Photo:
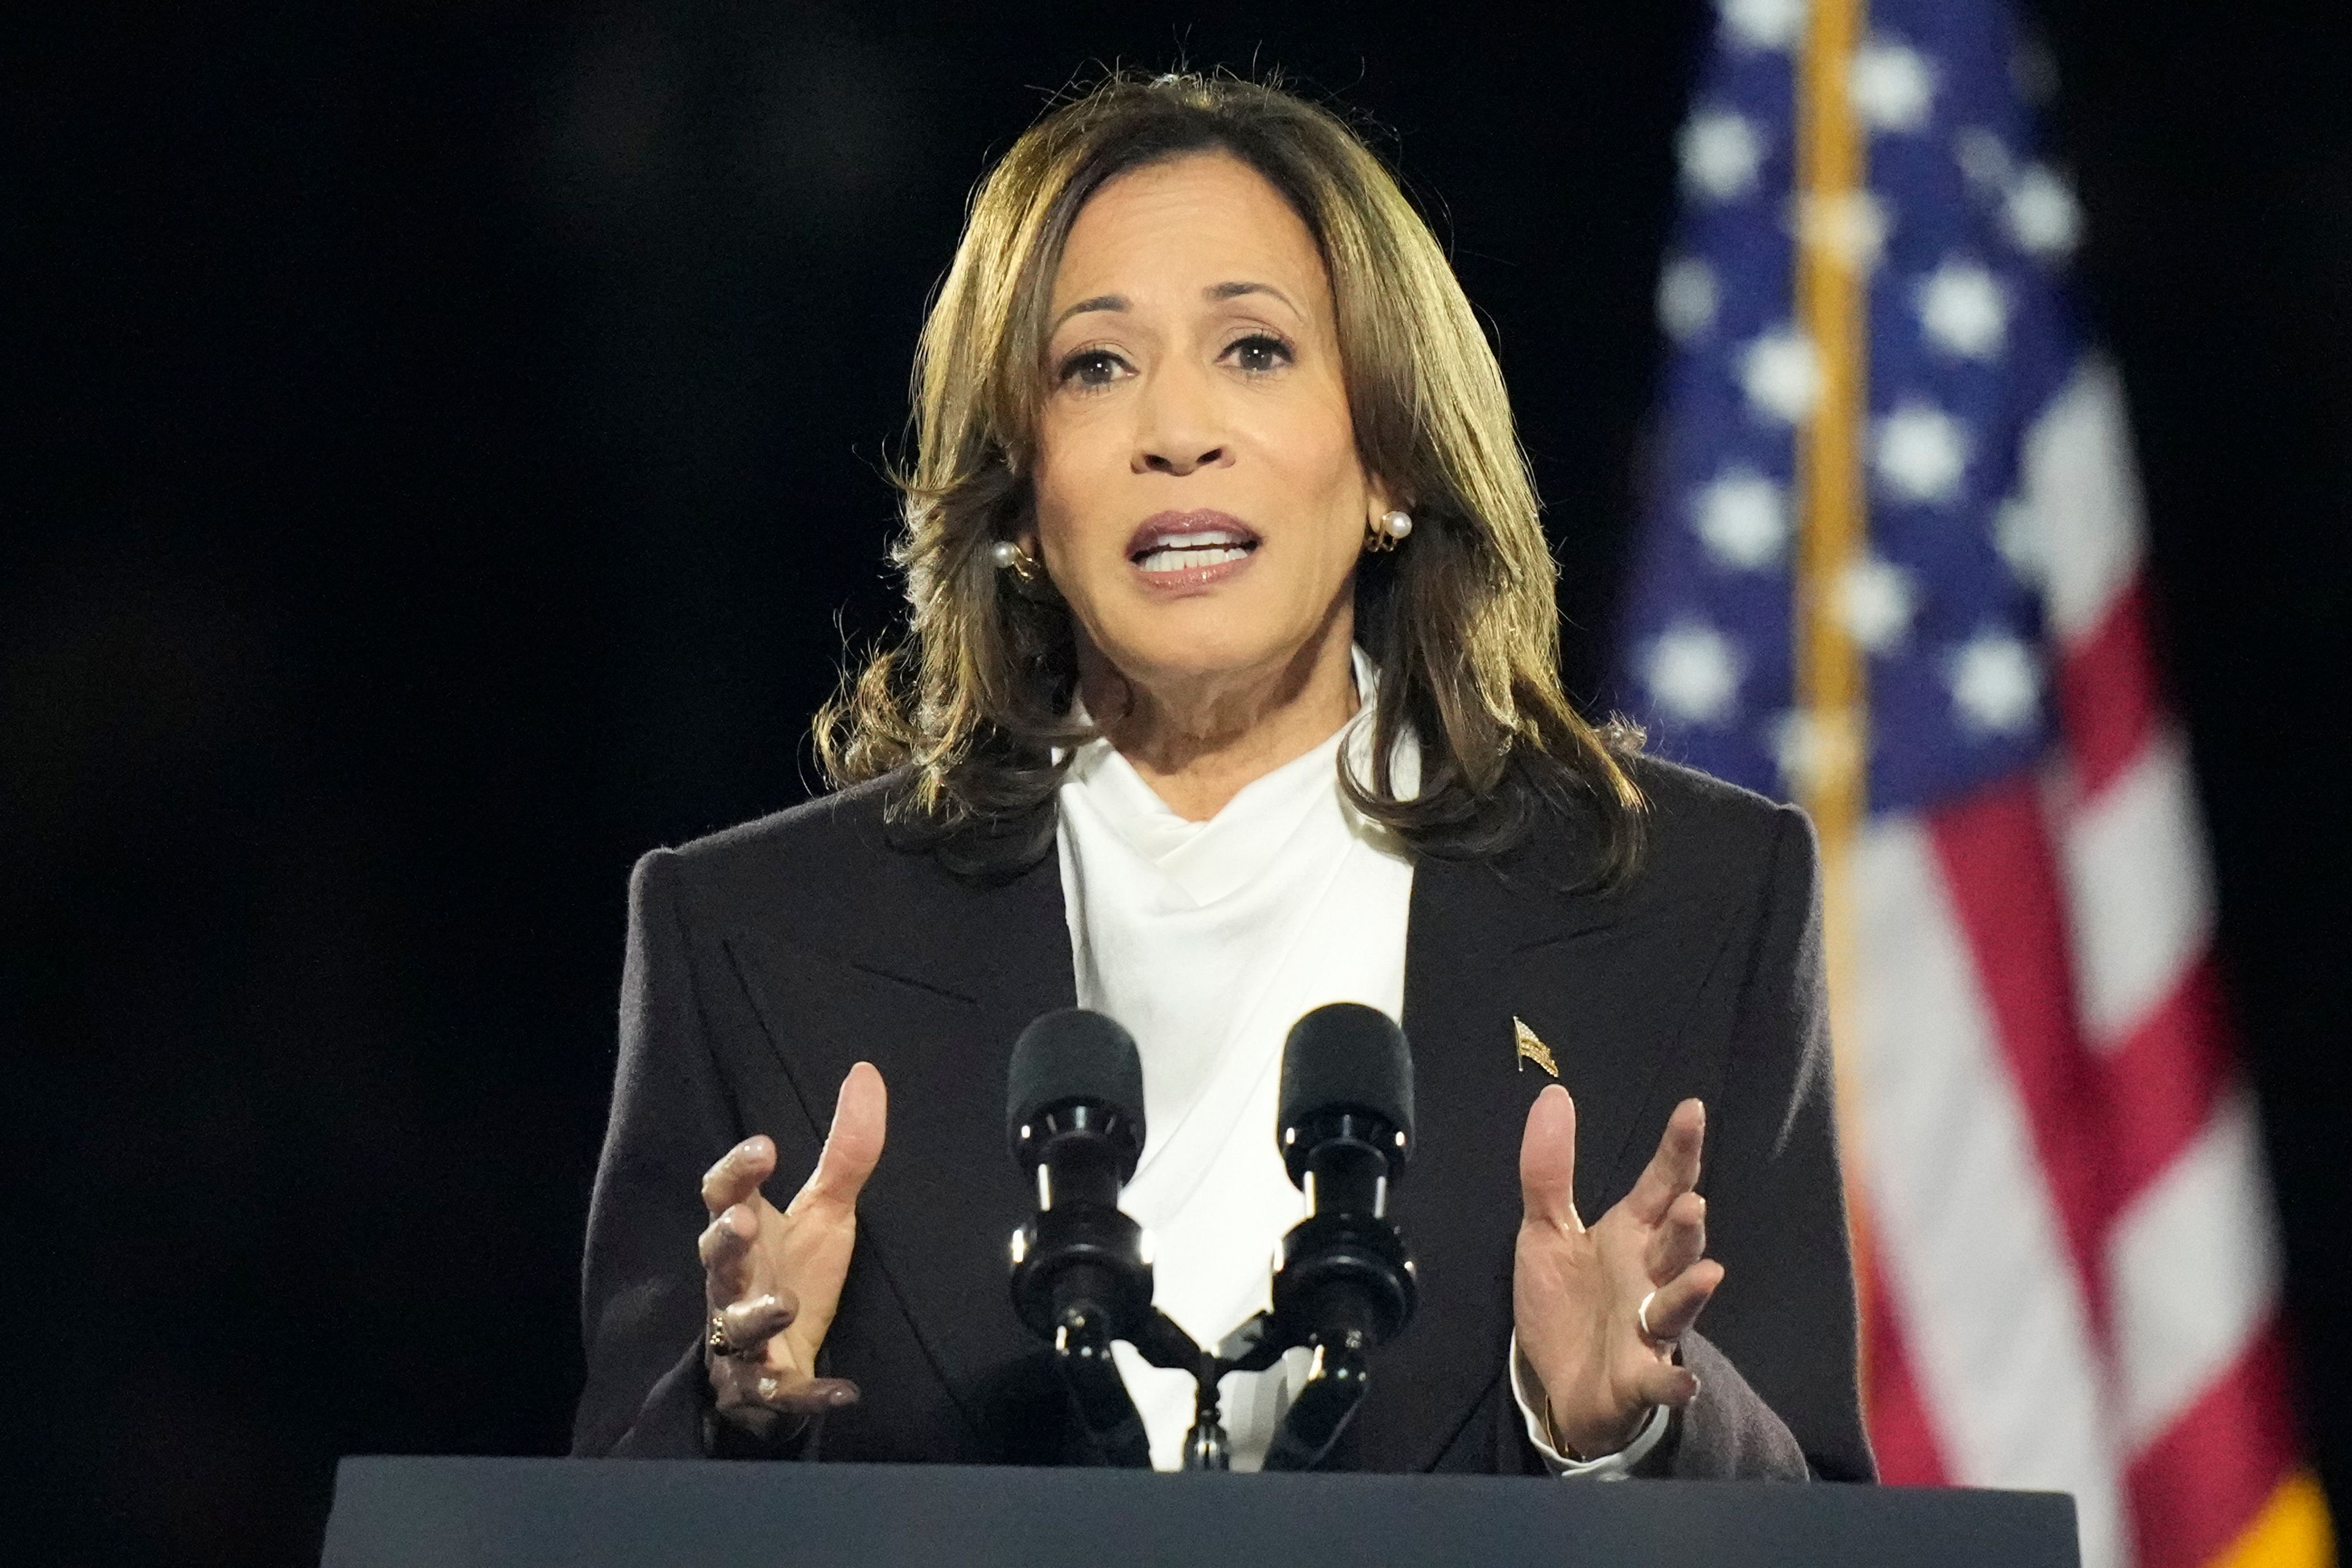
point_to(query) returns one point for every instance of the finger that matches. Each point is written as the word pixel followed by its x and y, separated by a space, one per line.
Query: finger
pixel 738 1173
pixel 1665 1382
pixel 1680 1241
pixel 744 1386
pixel 1675 1305
pixel 809 1397
pixel 748 1325
pixel 1548 1160
pixel 1673 1169
pixel 725 1247
pixel 855 1143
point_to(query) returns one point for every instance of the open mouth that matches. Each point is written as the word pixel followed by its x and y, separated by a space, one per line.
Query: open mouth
pixel 1187 551
pixel 1173 543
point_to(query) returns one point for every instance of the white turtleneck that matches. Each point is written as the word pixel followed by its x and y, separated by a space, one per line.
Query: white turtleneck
pixel 1207 941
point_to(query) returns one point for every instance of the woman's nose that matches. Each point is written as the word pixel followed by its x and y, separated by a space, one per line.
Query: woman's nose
pixel 1176 462
pixel 1179 430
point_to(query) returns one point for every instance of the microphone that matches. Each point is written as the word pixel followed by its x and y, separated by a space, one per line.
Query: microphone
pixel 1074 1115
pixel 1343 1284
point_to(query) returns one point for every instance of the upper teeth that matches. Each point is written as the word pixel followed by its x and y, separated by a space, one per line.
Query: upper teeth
pixel 1182 557
pixel 1195 541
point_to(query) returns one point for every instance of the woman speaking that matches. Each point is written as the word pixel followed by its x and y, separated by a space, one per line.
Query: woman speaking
pixel 1232 691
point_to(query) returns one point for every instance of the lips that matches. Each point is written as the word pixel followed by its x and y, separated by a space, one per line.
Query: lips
pixel 1188 546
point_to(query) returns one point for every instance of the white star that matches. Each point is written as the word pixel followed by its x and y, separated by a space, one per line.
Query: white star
pixel 1996 684
pixel 1920 453
pixel 1813 750
pixel 1687 297
pixel 1851 226
pixel 1743 518
pixel 2042 216
pixel 1720 155
pixel 1763 23
pixel 1891 85
pixel 1874 603
pixel 1781 375
pixel 1693 673
pixel 1962 306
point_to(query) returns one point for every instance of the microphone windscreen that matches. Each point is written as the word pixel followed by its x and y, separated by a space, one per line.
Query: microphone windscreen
pixel 1070 1055
pixel 1347 1056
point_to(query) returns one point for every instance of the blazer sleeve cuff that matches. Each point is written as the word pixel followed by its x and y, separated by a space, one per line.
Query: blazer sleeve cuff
pixel 1616 1466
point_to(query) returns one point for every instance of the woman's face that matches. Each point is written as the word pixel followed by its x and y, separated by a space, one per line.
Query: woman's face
pixel 1199 500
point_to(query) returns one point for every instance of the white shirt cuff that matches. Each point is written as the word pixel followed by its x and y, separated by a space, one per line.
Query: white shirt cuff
pixel 1616 1466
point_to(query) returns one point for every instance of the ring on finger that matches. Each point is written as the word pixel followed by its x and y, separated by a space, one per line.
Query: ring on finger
pixel 721 1344
pixel 1641 1317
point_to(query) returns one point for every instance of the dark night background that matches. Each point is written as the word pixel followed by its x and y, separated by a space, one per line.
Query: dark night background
pixel 444 461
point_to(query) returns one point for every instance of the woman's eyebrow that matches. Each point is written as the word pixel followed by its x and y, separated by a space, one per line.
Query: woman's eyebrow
pixel 1100 302
pixel 1235 290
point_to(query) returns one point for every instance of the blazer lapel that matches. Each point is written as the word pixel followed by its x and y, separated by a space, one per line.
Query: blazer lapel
pixel 932 983
pixel 1490 942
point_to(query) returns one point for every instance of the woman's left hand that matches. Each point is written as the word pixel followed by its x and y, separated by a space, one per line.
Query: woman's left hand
pixel 1577 1291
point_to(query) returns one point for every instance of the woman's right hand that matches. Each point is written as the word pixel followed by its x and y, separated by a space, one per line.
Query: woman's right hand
pixel 773 1279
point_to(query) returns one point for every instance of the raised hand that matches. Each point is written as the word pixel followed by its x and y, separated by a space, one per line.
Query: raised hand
pixel 773 1278
pixel 1599 1307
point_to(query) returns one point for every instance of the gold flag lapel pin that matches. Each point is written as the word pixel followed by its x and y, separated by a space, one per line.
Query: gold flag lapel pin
pixel 1531 1049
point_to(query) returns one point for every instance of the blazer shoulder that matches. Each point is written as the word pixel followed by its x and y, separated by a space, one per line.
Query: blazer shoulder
pixel 1691 811
pixel 1704 835
pixel 830 843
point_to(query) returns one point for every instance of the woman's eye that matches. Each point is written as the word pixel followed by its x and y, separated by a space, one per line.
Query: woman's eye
pixel 1260 353
pixel 1091 367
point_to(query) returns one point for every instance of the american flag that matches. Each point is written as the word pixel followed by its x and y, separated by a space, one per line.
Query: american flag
pixel 1894 571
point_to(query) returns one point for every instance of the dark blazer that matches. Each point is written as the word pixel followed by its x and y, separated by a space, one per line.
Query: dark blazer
pixel 763 962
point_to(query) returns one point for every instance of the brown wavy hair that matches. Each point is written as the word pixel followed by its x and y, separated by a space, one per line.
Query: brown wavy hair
pixel 1460 620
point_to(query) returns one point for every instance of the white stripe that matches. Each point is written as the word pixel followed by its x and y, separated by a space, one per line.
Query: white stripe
pixel 2081 491
pixel 2139 899
pixel 1991 1307
pixel 2193 1266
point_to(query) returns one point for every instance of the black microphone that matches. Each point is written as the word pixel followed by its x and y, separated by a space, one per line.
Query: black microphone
pixel 1343 1284
pixel 1074 1115
pixel 1346 1129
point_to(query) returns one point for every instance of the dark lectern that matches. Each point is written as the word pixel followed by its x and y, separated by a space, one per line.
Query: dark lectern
pixel 618 1514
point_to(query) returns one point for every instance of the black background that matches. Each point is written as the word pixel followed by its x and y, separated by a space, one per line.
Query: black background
pixel 444 461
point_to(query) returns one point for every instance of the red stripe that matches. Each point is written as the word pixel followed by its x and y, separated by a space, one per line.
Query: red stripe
pixel 1996 859
pixel 2163 1083
pixel 1901 1432
pixel 2110 700
pixel 2195 1489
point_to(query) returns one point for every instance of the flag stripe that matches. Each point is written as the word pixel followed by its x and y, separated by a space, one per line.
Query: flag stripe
pixel 2198 1487
pixel 2193 1269
pixel 1902 1431
pixel 1993 853
pixel 2163 1082
pixel 2138 891
pixel 2107 691
pixel 2082 493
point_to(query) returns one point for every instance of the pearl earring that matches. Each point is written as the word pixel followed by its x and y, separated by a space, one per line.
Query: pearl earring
pixel 1009 556
pixel 1391 526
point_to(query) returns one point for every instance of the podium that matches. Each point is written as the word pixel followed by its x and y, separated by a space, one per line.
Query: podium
pixel 645 1513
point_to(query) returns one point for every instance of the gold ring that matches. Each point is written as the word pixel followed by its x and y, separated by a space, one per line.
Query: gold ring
pixel 1641 1315
pixel 719 1345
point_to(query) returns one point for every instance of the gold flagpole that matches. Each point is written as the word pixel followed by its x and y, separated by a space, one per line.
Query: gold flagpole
pixel 1832 742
